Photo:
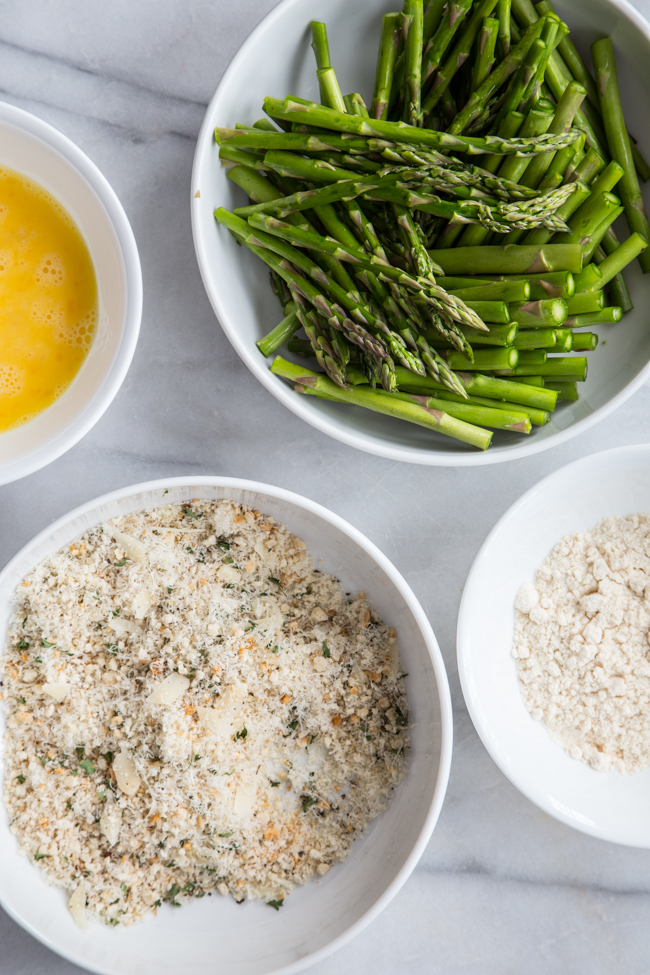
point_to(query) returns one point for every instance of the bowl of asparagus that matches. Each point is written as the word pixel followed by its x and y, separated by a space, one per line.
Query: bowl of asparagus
pixel 441 267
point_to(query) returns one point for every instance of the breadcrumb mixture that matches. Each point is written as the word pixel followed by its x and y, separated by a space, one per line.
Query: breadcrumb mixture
pixel 191 706
pixel 582 644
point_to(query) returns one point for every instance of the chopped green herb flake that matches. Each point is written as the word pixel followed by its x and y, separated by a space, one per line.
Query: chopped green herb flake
pixel 276 905
pixel 326 650
pixel 192 514
pixel 88 767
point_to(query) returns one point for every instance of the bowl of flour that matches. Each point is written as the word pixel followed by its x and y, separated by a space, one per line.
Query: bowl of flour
pixel 553 645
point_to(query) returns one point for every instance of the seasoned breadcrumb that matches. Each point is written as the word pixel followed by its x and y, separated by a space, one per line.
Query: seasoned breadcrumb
pixel 191 706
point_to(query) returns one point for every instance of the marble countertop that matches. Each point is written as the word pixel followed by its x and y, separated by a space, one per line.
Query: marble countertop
pixel 502 888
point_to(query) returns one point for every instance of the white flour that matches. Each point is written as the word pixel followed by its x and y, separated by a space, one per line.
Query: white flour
pixel 581 644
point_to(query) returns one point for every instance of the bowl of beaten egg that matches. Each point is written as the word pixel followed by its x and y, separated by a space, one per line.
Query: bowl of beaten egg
pixel 70 294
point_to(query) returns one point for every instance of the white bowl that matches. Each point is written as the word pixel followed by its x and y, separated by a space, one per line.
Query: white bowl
pixel 217 934
pixel 42 153
pixel 277 60
pixel 605 804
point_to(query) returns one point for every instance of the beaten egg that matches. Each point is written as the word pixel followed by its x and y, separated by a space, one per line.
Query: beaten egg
pixel 48 299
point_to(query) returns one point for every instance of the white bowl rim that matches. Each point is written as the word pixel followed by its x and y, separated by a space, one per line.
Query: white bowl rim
pixel 116 373
pixel 461 640
pixel 421 619
pixel 258 366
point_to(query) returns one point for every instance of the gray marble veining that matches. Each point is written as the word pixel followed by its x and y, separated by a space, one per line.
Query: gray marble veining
pixel 502 889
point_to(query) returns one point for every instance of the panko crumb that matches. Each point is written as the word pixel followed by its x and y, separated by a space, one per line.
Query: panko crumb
pixel 192 706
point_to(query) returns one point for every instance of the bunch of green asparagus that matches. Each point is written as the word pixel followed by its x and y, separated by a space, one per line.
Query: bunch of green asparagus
pixel 432 285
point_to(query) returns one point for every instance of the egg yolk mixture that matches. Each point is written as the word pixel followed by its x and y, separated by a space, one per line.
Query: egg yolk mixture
pixel 48 299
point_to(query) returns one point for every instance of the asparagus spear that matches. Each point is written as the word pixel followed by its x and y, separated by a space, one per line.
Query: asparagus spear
pixel 485 360
pixel 281 333
pixel 503 13
pixel 330 93
pixel 533 314
pixel 472 412
pixel 490 311
pixel 355 104
pixel 587 169
pixel 617 287
pixel 390 405
pixel 455 14
pixel 606 316
pixel 433 14
pixel 590 215
pixel 567 368
pixel 536 338
pixel 412 25
pixel 388 46
pixel 493 291
pixel 585 341
pixel 599 232
pixel 502 335
pixel 537 417
pixel 291 110
pixel 512 259
pixel 587 303
pixel 619 142
pixel 595 277
pixel 485 60
pixel 553 284
pixel 567 391
pixel 489 386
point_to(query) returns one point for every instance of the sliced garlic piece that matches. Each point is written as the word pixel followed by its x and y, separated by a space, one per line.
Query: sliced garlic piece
pixel 142 603
pixel 219 720
pixel 111 822
pixel 228 573
pixel 121 626
pixel 245 798
pixel 57 691
pixel 393 663
pixel 169 690
pixel 77 906
pixel 128 780
pixel 131 546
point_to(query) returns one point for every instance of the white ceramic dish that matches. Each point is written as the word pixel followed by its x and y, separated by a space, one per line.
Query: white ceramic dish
pixel 276 60
pixel 607 805
pixel 216 934
pixel 37 150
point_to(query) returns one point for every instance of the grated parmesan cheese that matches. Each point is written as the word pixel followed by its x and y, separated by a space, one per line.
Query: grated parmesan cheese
pixel 192 706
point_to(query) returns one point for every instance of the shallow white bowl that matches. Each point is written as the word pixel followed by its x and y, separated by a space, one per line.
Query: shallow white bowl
pixel 42 153
pixel 216 934
pixel 605 804
pixel 277 60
